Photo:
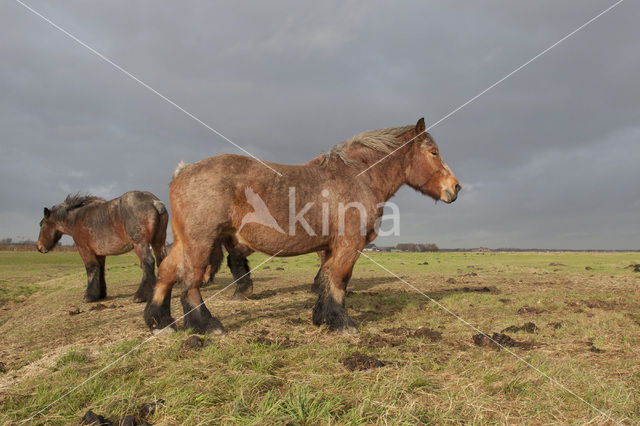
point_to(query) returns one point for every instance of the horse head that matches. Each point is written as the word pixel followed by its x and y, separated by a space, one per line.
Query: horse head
pixel 426 171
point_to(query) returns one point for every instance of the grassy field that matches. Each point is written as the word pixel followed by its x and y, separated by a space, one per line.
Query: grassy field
pixel 273 366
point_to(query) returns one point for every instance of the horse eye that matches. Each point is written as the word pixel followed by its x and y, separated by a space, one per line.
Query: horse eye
pixel 434 152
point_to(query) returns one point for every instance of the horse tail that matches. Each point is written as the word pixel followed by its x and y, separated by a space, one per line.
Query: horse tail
pixel 179 168
pixel 159 206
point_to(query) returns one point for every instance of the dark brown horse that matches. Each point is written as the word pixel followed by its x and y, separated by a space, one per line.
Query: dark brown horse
pixel 136 220
pixel 326 205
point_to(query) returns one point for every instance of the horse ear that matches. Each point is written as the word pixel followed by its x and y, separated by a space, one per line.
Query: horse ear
pixel 420 127
pixel 47 212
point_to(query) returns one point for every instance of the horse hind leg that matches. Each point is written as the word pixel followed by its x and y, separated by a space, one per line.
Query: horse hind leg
pixel 196 314
pixel 159 238
pixel 239 266
pixel 145 289
pixel 157 312
pixel 215 260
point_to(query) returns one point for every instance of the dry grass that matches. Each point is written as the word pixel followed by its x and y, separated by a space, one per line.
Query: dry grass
pixel 273 366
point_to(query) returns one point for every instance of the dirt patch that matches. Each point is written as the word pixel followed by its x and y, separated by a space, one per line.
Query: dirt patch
pixel 529 310
pixel 279 268
pixel 193 343
pixel 498 340
pixel 422 332
pixel 529 327
pixel 602 304
pixel 75 311
pixel 423 263
pixel 593 348
pixel 360 362
pixel 102 307
pixel 477 289
pixel 263 295
pixel 378 341
pixel 634 266
pixel 504 300
pixel 557 264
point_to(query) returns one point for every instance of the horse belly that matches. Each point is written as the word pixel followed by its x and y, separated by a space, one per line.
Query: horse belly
pixel 115 248
pixel 270 242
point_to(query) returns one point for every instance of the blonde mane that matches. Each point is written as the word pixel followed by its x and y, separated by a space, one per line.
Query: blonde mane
pixel 381 140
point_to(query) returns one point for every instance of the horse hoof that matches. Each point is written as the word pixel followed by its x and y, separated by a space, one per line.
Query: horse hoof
pixel 88 299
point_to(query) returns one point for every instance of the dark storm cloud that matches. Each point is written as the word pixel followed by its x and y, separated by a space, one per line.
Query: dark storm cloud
pixel 548 158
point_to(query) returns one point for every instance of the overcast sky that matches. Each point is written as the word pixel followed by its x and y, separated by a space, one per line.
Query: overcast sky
pixel 548 158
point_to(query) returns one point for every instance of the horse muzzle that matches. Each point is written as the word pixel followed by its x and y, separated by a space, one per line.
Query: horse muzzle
pixel 450 195
pixel 41 247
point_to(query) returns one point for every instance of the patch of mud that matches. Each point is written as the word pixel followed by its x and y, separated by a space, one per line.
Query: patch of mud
pixel 498 340
pixel 555 325
pixel 423 263
pixel 529 310
pixel 360 362
pixel 263 295
pixel 378 341
pixel 634 266
pixel 193 343
pixel 529 327
pixel 602 304
pixel 504 300
pixel 588 268
pixel 484 289
pixel 279 268
pixel 102 307
pixel 75 311
pixel 422 333
pixel 557 264
pixel 593 348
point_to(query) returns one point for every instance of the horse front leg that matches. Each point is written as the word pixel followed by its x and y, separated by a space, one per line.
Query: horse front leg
pixel 92 265
pixel 333 279
pixel 103 282
pixel 147 264
pixel 196 314
pixel 317 282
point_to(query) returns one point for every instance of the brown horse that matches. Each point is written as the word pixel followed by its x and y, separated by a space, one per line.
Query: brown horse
pixel 232 197
pixel 101 228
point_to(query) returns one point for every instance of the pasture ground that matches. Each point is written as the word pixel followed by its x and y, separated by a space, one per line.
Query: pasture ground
pixel 274 366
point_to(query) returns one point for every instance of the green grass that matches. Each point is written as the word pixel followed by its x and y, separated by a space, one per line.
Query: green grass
pixel 273 366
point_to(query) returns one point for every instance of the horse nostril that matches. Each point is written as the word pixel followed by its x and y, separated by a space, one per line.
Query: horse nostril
pixel 458 187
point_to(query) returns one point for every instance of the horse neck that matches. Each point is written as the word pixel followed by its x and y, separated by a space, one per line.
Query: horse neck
pixel 388 175
pixel 66 224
